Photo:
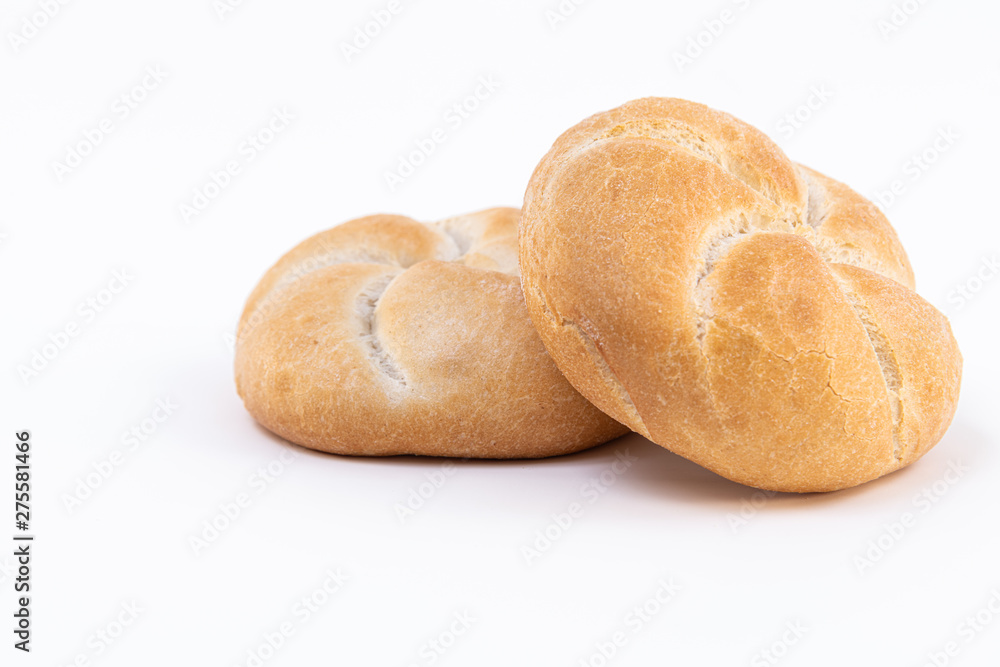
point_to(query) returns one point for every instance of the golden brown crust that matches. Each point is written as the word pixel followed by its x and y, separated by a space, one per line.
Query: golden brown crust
pixel 743 311
pixel 388 336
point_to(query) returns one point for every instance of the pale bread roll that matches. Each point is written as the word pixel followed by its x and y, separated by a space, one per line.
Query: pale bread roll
pixel 743 311
pixel 388 336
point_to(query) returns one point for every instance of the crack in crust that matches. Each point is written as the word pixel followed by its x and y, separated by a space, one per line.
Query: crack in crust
pixel 817 208
pixel 449 231
pixel 817 203
pixel 329 256
pixel 827 226
pixel 611 379
pixel 367 309
pixel 695 143
pixel 458 240
pixel 808 226
pixel 458 237
pixel 670 130
pixel 886 361
pixel 682 136
pixel 738 231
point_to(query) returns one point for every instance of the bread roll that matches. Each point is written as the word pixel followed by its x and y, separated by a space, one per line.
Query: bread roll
pixel 387 336
pixel 745 312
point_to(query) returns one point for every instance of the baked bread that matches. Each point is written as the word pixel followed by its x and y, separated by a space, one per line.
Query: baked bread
pixel 743 311
pixel 388 336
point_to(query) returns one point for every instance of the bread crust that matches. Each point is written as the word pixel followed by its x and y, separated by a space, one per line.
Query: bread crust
pixel 387 336
pixel 741 310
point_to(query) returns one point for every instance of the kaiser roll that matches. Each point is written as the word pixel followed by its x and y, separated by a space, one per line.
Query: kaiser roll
pixel 388 336
pixel 741 310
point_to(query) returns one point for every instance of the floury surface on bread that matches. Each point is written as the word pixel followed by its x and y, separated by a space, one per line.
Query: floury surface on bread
pixel 387 336
pixel 739 309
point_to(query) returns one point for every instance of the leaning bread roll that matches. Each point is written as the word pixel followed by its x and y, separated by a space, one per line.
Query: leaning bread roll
pixel 743 311
pixel 388 336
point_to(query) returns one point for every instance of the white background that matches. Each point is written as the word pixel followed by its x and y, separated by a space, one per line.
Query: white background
pixel 747 565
